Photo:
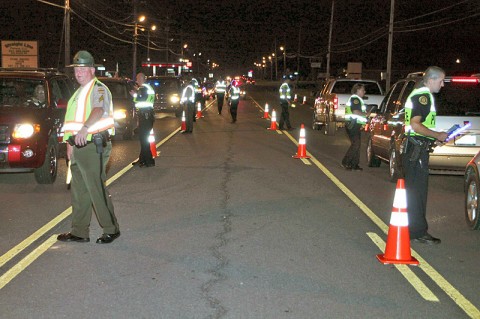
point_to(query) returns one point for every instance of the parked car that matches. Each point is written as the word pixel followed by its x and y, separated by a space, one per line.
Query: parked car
pixel 472 193
pixel 329 106
pixel 168 91
pixel 30 128
pixel 458 102
pixel 123 106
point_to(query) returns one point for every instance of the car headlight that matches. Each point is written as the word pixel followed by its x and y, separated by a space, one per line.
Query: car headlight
pixel 25 130
pixel 174 99
pixel 120 114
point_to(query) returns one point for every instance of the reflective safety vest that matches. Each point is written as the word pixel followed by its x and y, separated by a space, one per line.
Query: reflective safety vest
pixel 220 87
pixel 188 94
pixel 234 93
pixel 349 115
pixel 284 92
pixel 429 120
pixel 148 103
pixel 79 108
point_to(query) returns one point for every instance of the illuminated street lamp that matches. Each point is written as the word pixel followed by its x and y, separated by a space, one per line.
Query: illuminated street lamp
pixel 135 38
pixel 152 28
pixel 271 67
pixel 284 60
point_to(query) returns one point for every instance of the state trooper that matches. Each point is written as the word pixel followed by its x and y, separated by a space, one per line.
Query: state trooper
pixel 420 126
pixel 355 117
pixel 188 101
pixel 285 101
pixel 233 99
pixel 88 125
pixel 144 99
pixel 220 88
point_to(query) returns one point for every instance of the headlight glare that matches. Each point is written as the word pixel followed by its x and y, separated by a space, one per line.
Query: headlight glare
pixel 174 99
pixel 25 130
pixel 120 114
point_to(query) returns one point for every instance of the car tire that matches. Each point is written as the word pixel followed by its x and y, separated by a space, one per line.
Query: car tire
pixel 372 159
pixel 330 126
pixel 395 170
pixel 128 133
pixel 47 173
pixel 315 125
pixel 472 196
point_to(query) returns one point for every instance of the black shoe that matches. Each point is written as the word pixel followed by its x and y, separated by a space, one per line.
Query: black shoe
pixel 427 239
pixel 107 238
pixel 357 168
pixel 149 164
pixel 280 128
pixel 348 168
pixel 70 237
pixel 138 163
pixel 290 128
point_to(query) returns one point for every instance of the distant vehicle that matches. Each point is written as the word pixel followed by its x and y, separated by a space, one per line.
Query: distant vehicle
pixel 472 193
pixel 250 80
pixel 458 102
pixel 209 90
pixel 168 91
pixel 329 106
pixel 123 106
pixel 30 131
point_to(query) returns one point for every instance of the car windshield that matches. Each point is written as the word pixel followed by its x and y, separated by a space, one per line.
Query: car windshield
pixel 22 92
pixel 117 88
pixel 164 85
pixel 458 98
pixel 345 87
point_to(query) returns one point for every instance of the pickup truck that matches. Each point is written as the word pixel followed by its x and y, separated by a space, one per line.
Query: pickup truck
pixel 458 102
pixel 329 106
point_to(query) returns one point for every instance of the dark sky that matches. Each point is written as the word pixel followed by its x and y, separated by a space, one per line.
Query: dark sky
pixel 235 34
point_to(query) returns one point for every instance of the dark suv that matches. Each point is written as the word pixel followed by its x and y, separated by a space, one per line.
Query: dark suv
pixel 168 91
pixel 30 126
pixel 458 102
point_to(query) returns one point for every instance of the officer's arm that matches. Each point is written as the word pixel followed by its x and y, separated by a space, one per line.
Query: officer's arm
pixel 418 127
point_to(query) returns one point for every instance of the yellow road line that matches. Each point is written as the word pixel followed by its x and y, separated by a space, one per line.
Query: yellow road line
pixel 419 286
pixel 25 262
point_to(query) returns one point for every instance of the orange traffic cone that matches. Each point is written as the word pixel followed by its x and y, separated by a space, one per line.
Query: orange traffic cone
pixel 265 113
pixel 295 99
pixel 302 148
pixel 199 110
pixel 304 100
pixel 397 250
pixel 184 122
pixel 273 124
pixel 153 147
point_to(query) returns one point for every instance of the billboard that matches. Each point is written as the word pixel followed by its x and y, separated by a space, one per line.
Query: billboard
pixel 20 54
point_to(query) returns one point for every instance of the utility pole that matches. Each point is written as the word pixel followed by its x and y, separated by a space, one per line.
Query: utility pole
pixel 67 32
pixel 330 40
pixel 167 29
pixel 390 44
pixel 134 62
pixel 276 60
pixel 298 51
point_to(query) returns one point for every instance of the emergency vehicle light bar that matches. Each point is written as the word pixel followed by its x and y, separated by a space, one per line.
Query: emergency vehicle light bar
pixel 465 80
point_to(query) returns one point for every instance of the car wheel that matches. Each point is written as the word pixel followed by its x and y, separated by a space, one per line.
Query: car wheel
pixel 472 189
pixel 315 125
pixel 47 173
pixel 128 133
pixel 372 160
pixel 330 126
pixel 394 166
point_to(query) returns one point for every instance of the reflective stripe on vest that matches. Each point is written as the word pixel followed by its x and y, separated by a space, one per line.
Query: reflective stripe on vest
pixel 79 109
pixel 429 120
pixel 185 95
pixel 148 103
pixel 349 115
pixel 235 93
pixel 284 91
pixel 220 87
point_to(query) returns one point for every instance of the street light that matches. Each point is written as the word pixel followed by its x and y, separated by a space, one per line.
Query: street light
pixel 135 38
pixel 276 66
pixel 284 60
pixel 271 68
pixel 152 28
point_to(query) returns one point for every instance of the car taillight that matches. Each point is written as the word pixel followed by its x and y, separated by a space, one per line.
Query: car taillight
pixel 335 102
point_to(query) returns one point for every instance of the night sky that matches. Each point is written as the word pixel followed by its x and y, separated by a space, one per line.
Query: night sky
pixel 235 34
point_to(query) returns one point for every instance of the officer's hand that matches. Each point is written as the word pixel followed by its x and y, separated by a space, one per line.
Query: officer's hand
pixel 81 137
pixel 442 136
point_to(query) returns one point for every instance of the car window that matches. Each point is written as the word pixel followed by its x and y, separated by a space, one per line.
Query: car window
pixel 18 91
pixel 390 102
pixel 345 87
pixel 406 92
pixel 164 85
pixel 458 98
pixel 60 91
pixel 117 88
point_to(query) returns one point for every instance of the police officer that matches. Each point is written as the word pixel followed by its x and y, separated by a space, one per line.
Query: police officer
pixel 88 124
pixel 285 97
pixel 188 101
pixel 144 99
pixel 355 117
pixel 220 88
pixel 233 99
pixel 420 116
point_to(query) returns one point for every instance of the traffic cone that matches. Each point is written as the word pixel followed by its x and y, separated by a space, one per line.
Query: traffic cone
pixel 273 125
pixel 397 249
pixel 153 147
pixel 295 99
pixel 302 148
pixel 184 122
pixel 304 100
pixel 265 113
pixel 199 110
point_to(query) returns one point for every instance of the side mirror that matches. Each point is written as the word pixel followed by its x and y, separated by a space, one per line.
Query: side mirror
pixel 62 104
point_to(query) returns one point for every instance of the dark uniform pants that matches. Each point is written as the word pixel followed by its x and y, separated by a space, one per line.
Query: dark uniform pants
pixel 284 116
pixel 145 125
pixel 352 157
pixel 189 109
pixel 88 190
pixel 220 98
pixel 416 186
pixel 233 109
